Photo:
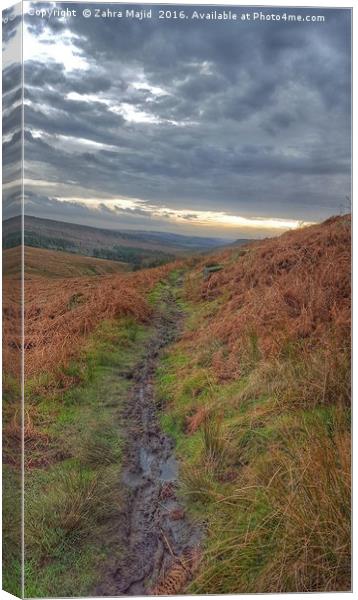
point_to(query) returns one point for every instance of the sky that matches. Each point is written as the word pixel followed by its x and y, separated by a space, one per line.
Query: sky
pixel 204 127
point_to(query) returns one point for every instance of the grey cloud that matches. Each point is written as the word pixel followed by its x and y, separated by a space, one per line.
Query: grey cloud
pixel 40 205
pixel 11 203
pixel 190 217
pixel 264 126
pixel 11 78
pixel 41 75
pixel 11 21
pixel 12 115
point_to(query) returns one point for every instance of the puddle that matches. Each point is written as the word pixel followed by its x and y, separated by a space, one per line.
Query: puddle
pixel 146 460
pixel 169 470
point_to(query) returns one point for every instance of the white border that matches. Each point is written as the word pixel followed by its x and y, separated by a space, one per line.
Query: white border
pixel 263 3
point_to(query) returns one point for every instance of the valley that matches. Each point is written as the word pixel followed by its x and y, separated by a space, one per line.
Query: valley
pixel 188 426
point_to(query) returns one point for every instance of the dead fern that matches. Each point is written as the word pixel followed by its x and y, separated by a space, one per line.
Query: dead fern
pixel 178 575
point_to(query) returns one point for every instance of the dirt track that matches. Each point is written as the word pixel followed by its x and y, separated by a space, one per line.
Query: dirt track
pixel 160 544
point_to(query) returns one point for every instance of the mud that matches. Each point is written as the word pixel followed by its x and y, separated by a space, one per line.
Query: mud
pixel 154 532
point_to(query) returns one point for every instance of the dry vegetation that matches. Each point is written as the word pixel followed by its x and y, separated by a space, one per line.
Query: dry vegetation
pixel 278 292
pixel 60 313
pixel 56 321
pixel 258 400
pixel 51 263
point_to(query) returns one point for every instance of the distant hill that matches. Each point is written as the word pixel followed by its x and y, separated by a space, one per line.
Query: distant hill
pixel 52 264
pixel 138 248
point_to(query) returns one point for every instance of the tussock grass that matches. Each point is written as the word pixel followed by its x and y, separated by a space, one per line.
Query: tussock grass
pixel 312 542
pixel 200 484
pixel 214 439
pixel 101 446
pixel 284 529
pixel 74 502
pixel 11 524
pixel 303 380
pixel 270 476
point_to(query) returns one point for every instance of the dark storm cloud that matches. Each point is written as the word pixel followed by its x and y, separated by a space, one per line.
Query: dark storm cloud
pixel 12 114
pixel 41 202
pixel 11 202
pixel 12 149
pixel 11 78
pixel 38 74
pixel 73 118
pixel 11 19
pixel 253 120
pixel 41 205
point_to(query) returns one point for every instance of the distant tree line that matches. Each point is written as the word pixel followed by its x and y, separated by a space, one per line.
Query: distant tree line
pixel 137 258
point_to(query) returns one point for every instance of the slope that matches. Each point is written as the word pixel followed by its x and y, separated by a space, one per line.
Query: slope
pixel 256 395
pixel 54 264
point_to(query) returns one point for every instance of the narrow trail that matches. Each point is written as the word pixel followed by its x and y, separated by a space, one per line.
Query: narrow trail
pixel 160 544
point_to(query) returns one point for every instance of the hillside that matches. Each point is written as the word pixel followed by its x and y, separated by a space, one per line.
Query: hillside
pixel 55 264
pixel 237 368
pixel 140 249
pixel 257 397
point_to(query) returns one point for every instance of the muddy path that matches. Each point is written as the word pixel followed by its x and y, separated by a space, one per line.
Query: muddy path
pixel 159 543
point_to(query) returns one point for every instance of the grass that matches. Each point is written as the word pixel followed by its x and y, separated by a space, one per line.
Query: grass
pixel 11 520
pixel 250 473
pixel 256 395
pixel 280 528
pixel 75 500
pixel 262 429
pixel 72 494
pixel 101 446
pixel 72 427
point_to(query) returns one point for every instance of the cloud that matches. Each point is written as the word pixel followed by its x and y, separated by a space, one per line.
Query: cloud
pixel 248 119
pixel 11 24
pixel 12 113
pixel 122 213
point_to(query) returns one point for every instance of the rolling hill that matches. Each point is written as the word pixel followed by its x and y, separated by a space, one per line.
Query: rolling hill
pixel 139 249
pixel 53 264
pixel 241 362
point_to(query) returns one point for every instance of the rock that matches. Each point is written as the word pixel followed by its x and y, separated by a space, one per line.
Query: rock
pixel 210 269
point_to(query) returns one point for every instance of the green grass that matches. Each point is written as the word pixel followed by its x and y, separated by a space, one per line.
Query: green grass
pixel 72 495
pixel 74 572
pixel 11 521
pixel 172 286
pixel 155 295
pixel 265 466
pixel 11 485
